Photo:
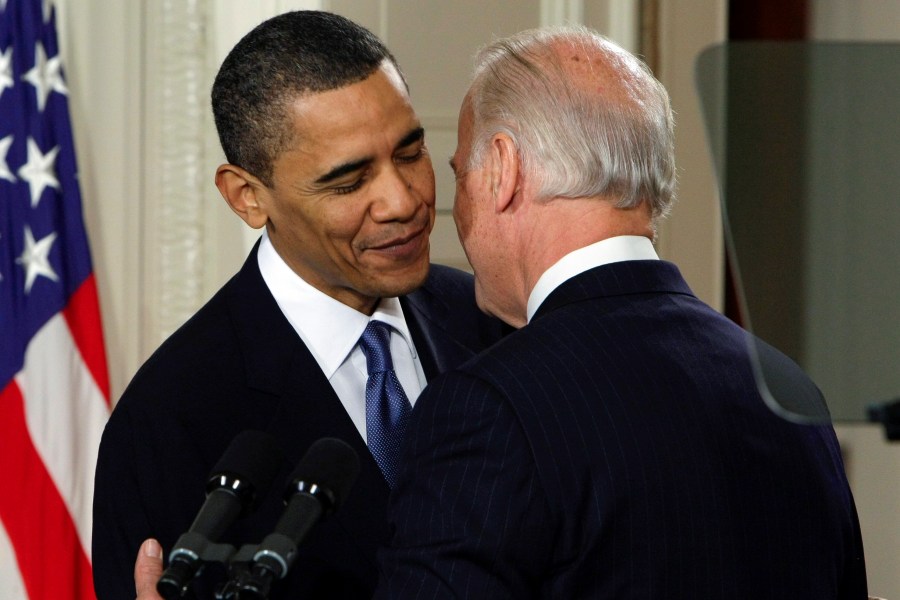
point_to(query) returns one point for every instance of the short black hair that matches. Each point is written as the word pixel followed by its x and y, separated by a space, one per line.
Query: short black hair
pixel 285 57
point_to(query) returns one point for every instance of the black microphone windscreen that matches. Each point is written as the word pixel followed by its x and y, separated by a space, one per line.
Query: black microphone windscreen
pixel 329 463
pixel 236 485
pixel 252 456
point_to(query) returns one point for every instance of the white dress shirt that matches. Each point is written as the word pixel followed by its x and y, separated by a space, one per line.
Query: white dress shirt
pixel 616 249
pixel 331 330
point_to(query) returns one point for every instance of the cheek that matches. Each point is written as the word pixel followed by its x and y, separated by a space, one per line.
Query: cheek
pixel 422 180
pixel 464 209
pixel 332 229
pixel 461 214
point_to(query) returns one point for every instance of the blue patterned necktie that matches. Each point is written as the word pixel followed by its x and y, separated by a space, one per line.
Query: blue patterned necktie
pixel 387 407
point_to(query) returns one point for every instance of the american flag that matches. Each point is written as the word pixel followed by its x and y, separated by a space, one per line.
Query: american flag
pixel 54 391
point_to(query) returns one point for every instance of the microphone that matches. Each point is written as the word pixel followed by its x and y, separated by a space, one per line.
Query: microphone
pixel 320 482
pixel 235 487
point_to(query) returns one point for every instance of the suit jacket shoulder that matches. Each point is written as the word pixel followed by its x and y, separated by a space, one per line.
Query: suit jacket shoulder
pixel 616 447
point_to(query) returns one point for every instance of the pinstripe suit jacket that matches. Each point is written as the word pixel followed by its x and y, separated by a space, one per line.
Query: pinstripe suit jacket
pixel 238 364
pixel 617 447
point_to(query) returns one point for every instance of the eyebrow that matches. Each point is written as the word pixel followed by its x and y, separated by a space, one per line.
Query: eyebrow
pixel 409 139
pixel 416 135
pixel 343 169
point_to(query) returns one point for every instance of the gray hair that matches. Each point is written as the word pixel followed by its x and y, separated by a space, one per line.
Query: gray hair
pixel 573 141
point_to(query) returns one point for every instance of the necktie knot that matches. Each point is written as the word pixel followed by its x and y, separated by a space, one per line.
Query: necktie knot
pixel 376 346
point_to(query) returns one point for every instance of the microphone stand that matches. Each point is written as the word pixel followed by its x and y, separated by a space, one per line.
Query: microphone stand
pixel 176 579
pixel 247 579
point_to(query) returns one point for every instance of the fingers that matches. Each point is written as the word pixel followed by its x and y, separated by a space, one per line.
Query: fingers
pixel 148 569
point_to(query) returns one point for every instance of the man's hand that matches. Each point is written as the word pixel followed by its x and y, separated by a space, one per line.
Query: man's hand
pixel 148 568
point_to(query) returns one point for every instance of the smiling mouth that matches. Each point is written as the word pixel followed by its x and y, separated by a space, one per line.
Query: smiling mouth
pixel 406 247
pixel 399 242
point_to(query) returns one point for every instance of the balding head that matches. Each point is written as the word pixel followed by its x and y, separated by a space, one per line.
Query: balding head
pixel 587 117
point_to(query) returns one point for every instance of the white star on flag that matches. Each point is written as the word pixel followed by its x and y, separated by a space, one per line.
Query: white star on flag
pixel 39 171
pixel 45 76
pixel 36 258
pixel 5 173
pixel 6 68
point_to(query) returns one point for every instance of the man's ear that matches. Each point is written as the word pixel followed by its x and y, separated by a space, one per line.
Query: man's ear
pixel 505 168
pixel 243 192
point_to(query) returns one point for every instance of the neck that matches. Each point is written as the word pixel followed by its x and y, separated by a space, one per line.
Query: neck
pixel 563 225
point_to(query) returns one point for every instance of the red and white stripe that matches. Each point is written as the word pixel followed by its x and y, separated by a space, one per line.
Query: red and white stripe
pixel 51 417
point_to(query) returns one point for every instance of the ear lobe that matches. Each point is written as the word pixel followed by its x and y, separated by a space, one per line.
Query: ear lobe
pixel 504 173
pixel 242 192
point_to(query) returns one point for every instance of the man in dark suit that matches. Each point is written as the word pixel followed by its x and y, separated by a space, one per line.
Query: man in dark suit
pixel 617 444
pixel 326 154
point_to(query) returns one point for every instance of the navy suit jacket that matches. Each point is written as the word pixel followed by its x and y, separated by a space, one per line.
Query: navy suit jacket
pixel 238 364
pixel 617 447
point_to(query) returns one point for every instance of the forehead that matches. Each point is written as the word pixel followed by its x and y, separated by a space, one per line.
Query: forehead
pixel 465 124
pixel 466 112
pixel 359 120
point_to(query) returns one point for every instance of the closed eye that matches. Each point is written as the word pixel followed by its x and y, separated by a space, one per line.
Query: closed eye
pixel 412 147
pixel 411 158
pixel 349 189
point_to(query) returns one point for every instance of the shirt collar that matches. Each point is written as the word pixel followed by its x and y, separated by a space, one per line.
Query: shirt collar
pixel 615 249
pixel 329 328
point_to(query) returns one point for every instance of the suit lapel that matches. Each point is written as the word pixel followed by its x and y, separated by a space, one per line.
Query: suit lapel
pixel 441 341
pixel 279 364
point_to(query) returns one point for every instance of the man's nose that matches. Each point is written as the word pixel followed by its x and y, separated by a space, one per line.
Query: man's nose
pixel 397 199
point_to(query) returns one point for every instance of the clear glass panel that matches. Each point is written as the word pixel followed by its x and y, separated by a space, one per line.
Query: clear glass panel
pixel 806 143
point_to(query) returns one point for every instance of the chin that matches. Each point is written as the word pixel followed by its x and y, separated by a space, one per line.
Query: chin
pixel 400 284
